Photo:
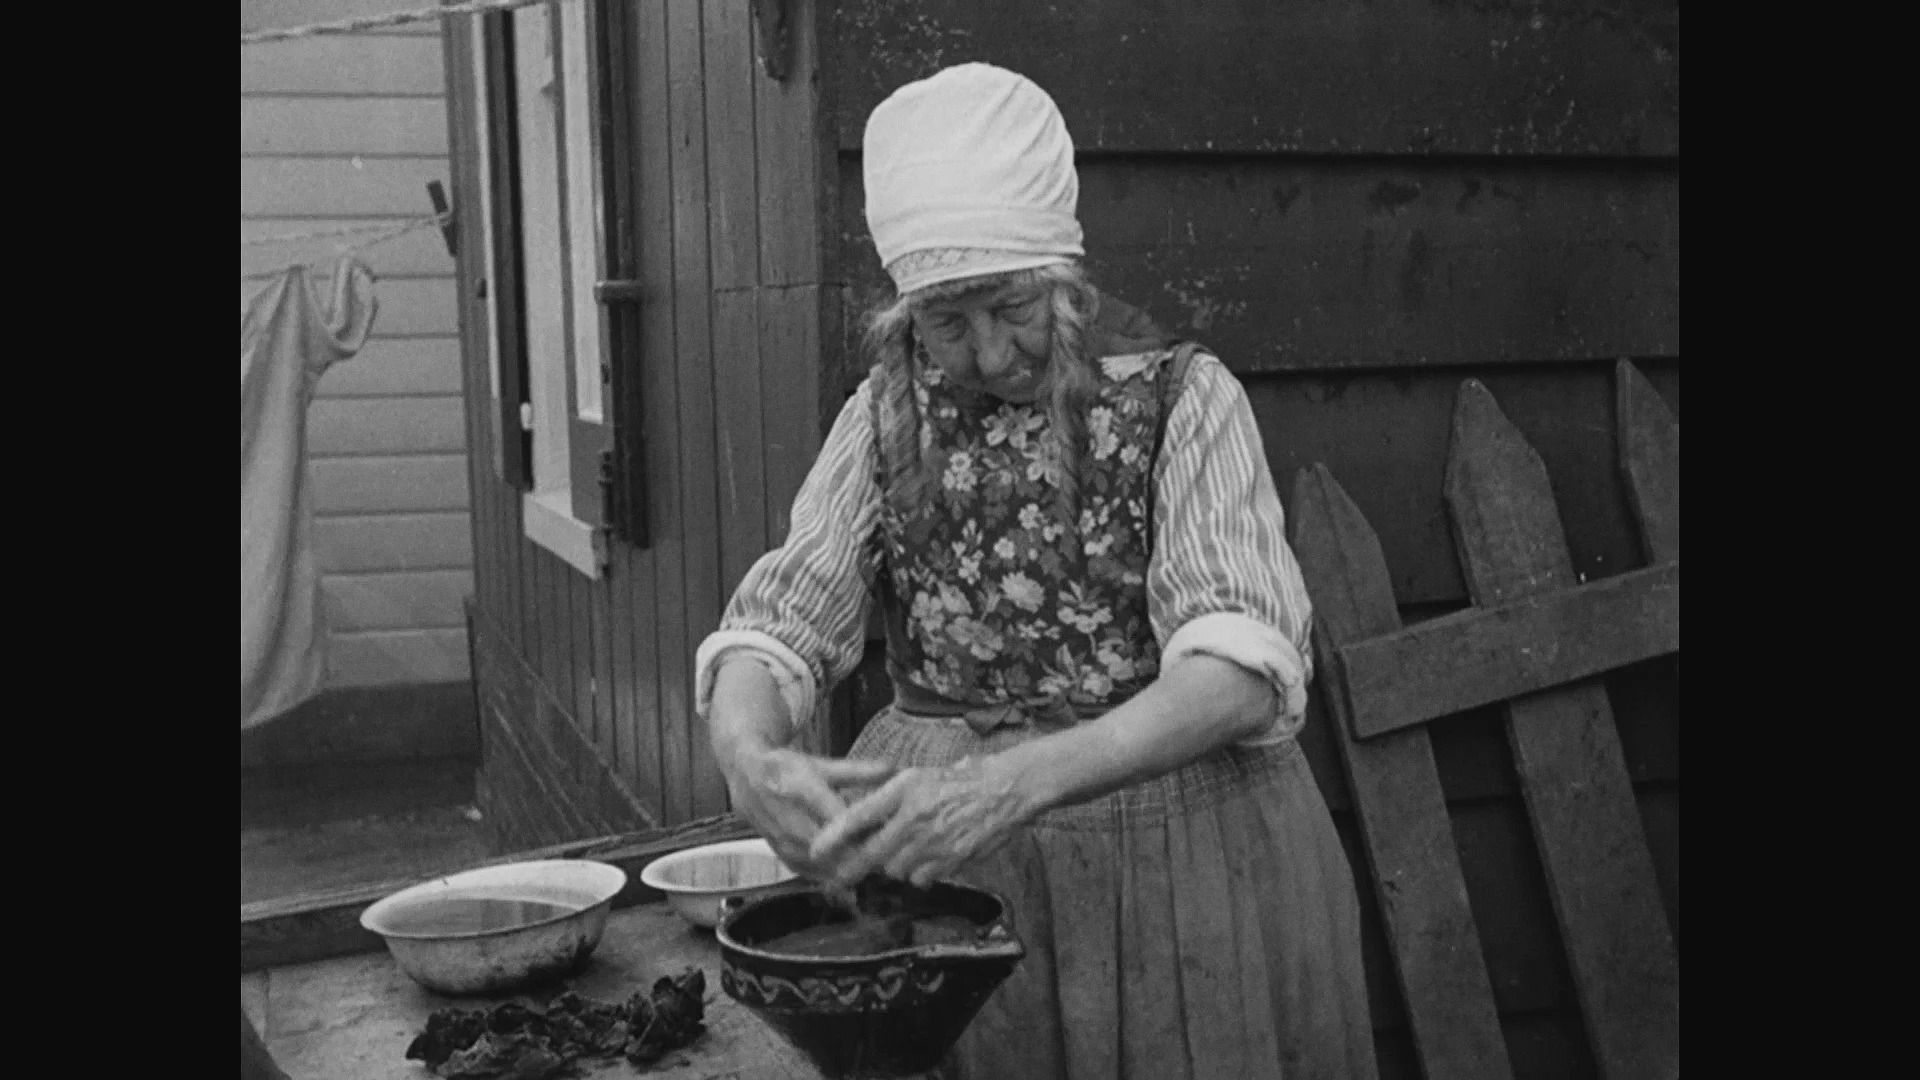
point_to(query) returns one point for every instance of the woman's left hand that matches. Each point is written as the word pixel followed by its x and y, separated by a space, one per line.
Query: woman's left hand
pixel 921 825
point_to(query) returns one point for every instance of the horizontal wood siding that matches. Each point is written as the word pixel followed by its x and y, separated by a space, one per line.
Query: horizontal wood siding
pixel 373 543
pixel 1357 207
pixel 397 599
pixel 359 65
pixel 420 254
pixel 383 426
pixel 343 186
pixel 356 486
pixel 394 657
pixel 338 131
pixel 1281 264
pixel 394 369
pixel 331 126
pixel 1226 76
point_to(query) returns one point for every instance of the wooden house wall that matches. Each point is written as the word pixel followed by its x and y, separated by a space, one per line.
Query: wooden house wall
pixel 346 131
pixel 732 318
pixel 1358 207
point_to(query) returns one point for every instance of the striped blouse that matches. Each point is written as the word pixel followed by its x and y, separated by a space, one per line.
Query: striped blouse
pixel 1222 580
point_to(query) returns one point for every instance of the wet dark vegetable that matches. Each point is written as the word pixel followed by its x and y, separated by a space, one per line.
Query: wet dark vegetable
pixel 518 1040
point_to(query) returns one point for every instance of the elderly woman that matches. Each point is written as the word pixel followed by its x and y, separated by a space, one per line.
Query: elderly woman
pixel 1097 636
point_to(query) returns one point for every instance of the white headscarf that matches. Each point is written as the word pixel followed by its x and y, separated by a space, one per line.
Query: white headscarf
pixel 969 171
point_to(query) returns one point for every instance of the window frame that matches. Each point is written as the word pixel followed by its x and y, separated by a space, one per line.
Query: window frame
pixel 552 373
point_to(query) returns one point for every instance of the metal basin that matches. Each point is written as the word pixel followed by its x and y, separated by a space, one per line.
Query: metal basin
pixel 699 880
pixel 500 927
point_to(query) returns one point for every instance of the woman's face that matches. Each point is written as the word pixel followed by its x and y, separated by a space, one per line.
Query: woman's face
pixel 993 340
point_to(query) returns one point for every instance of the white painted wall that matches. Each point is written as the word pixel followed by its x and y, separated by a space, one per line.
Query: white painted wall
pixel 348 129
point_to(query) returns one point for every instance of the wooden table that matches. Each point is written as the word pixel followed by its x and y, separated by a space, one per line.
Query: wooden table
pixel 351 1018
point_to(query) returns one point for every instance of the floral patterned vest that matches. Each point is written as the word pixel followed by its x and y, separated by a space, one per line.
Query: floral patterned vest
pixel 990 598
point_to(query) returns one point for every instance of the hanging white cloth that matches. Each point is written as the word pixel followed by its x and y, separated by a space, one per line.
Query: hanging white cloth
pixel 289 336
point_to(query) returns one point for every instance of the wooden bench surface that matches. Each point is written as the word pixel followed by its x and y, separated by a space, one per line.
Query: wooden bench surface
pixel 351 1017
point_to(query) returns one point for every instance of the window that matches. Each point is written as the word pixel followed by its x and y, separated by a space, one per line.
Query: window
pixel 538 106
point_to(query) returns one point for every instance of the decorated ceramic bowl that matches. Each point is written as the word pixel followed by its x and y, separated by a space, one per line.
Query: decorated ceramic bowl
pixel 895 1012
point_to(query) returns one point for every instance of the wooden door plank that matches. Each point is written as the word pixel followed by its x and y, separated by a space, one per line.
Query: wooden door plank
pixel 532 606
pixel 580 704
pixel 558 596
pixel 739 425
pixel 733 182
pixel 1649 462
pixel 661 735
pixel 693 359
pixel 1567 754
pixel 541 605
pixel 619 622
pixel 734 230
pixel 1401 808
pixel 1485 655
pixel 653 265
pixel 643 730
pixel 525 626
pixel 605 682
pixel 663 132
pixel 790 362
pixel 794 144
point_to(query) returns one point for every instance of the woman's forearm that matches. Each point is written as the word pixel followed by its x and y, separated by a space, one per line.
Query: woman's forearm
pixel 1198 706
pixel 747 713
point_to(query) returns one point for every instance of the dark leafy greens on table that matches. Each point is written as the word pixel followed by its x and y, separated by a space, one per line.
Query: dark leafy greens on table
pixel 516 1040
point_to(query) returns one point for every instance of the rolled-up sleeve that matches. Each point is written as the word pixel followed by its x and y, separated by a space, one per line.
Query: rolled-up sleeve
pixel 1223 581
pixel 802 609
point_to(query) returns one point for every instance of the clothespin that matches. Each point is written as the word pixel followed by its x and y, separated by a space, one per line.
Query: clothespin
pixel 438 194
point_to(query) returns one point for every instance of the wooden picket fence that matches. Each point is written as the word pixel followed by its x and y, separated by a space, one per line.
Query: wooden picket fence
pixel 1535 641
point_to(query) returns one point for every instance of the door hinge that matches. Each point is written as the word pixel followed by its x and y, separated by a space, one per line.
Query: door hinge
pixel 606 486
pixel 618 291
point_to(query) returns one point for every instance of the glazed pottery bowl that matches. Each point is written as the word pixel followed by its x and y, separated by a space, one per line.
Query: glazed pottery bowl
pixel 500 927
pixel 889 1014
pixel 698 880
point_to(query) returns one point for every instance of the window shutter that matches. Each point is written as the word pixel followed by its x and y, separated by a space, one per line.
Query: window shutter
pixel 499 157
pixel 579 30
pixel 623 464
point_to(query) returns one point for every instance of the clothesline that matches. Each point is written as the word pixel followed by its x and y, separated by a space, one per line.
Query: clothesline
pixel 391 232
pixel 344 230
pixel 376 22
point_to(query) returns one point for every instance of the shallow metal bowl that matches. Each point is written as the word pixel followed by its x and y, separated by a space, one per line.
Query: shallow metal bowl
pixel 495 960
pixel 699 880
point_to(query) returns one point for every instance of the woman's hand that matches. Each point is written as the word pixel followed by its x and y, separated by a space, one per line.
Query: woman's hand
pixel 788 796
pixel 785 794
pixel 922 825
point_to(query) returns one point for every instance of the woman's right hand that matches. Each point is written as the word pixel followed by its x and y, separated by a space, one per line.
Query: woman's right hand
pixel 789 796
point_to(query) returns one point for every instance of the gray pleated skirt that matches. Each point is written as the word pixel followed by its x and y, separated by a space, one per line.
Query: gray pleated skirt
pixel 1198 926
